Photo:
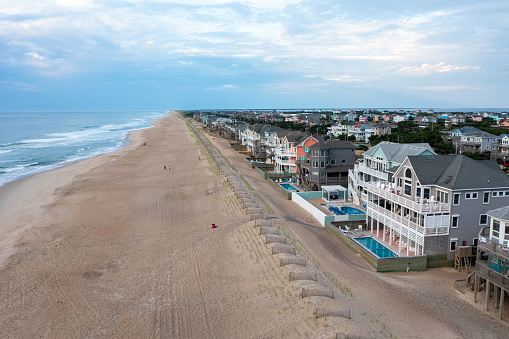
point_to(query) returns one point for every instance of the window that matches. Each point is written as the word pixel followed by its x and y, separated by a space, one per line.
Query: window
pixel 475 241
pixel 454 243
pixel 486 198
pixel 322 164
pixel 443 197
pixel 426 193
pixel 315 164
pixel 306 149
pixel 418 192
pixel 456 199
pixel 483 219
pixel 471 195
pixel 322 153
pixel 496 229
pixel 498 194
pixel 455 221
pixel 343 161
pixel 408 190
pixel 408 173
pixel 314 152
pixel 333 162
pixel 322 175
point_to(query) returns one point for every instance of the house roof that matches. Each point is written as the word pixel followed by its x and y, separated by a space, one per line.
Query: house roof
pixel 395 152
pixel 334 144
pixel 499 213
pixel 458 172
pixel 481 134
pixel 466 129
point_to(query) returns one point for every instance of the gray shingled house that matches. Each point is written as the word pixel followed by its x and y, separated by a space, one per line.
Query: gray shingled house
pixel 327 163
pixel 436 203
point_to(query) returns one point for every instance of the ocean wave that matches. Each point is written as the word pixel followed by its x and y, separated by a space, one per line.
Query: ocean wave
pixel 72 143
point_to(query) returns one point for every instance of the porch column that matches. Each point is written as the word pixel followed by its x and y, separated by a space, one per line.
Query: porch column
pixel 378 228
pixel 371 224
pixel 487 294
pixel 495 295
pixel 384 234
pixel 501 305
pixel 476 287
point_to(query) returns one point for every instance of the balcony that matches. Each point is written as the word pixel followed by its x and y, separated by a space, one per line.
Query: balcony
pixel 286 162
pixel 283 152
pixel 426 231
pixel 419 206
pixel 373 172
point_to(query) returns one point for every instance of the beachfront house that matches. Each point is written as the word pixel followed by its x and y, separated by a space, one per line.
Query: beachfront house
pixel 376 163
pixel 492 262
pixel 290 147
pixel 435 203
pixel 327 163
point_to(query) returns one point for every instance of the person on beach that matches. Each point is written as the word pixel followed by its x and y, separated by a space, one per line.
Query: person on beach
pixel 164 166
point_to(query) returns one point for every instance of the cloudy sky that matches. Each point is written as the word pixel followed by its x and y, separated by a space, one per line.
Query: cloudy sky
pixel 200 54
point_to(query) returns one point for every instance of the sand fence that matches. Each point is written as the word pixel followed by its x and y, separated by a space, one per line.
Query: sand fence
pixel 239 185
pixel 315 292
pixel 302 276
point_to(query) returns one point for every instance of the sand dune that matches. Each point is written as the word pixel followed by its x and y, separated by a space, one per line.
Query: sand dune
pixel 118 246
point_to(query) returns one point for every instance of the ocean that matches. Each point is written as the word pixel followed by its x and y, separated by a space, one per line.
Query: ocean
pixel 40 141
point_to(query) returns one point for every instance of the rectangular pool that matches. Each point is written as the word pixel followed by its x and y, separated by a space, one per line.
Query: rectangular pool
pixel 375 247
pixel 289 187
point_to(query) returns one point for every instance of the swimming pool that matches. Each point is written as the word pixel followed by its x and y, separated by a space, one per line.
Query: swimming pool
pixel 376 247
pixel 351 210
pixel 289 187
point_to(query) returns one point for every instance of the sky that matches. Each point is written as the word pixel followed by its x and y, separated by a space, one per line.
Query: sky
pixel 218 54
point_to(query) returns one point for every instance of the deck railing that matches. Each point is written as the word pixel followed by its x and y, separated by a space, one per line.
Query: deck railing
pixel 418 206
pixel 494 247
pixel 426 231
pixel 373 172
pixel 498 279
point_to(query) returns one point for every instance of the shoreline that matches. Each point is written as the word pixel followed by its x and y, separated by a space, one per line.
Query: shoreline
pixel 120 246
pixel 125 142
pixel 15 195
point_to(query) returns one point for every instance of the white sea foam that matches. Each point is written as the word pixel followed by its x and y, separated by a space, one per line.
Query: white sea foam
pixel 72 143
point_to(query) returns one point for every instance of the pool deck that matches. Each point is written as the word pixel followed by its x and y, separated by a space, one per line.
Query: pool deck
pixel 393 247
pixel 318 204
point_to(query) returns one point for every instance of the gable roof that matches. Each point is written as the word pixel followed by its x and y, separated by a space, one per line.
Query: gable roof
pixel 334 144
pixel 481 134
pixel 395 152
pixel 466 129
pixel 458 172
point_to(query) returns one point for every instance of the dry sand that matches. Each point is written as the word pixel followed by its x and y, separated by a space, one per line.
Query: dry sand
pixel 117 246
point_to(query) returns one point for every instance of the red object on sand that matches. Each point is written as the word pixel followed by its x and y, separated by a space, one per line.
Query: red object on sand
pixel 213 225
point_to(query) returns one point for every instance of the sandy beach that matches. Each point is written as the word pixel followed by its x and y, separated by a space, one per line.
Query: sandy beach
pixel 121 245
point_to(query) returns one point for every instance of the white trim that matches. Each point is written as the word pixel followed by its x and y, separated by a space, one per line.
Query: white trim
pixel 459 199
pixel 489 197
pixel 472 196
pixel 453 240
pixel 480 216
pixel 452 220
